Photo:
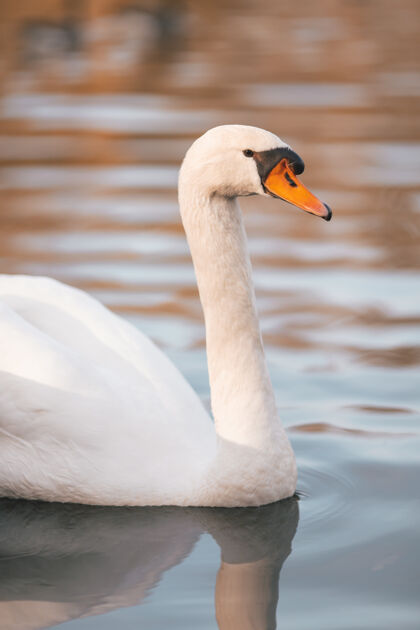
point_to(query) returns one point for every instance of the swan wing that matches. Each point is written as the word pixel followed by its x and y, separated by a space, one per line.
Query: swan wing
pixel 86 396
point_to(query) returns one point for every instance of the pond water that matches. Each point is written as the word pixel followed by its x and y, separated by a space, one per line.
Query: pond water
pixel 99 102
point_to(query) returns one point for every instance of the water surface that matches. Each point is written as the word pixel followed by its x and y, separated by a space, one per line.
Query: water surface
pixel 99 102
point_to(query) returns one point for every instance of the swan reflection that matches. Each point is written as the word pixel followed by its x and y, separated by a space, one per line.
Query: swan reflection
pixel 60 562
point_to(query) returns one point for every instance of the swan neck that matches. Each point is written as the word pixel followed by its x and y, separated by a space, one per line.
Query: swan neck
pixel 242 397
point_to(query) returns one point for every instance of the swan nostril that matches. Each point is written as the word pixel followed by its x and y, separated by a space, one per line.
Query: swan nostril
pixel 290 180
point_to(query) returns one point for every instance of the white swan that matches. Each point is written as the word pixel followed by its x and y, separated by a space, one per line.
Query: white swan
pixel 91 411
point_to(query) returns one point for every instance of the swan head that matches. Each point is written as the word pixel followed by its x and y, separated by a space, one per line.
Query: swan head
pixel 239 160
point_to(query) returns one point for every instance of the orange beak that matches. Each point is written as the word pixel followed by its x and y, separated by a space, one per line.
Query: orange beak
pixel 282 182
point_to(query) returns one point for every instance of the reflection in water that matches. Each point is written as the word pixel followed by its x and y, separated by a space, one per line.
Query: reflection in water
pixel 60 562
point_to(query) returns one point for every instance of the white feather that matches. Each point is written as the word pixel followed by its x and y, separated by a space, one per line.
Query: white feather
pixel 91 411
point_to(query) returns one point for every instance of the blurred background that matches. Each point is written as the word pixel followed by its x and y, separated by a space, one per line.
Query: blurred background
pixel 101 98
pixel 99 101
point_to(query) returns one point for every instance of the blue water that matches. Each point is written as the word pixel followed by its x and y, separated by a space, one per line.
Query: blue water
pixel 92 132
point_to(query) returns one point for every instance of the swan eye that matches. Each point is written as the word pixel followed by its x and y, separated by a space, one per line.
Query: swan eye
pixel 248 153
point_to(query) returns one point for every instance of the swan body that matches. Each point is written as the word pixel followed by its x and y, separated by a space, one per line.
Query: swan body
pixel 91 411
